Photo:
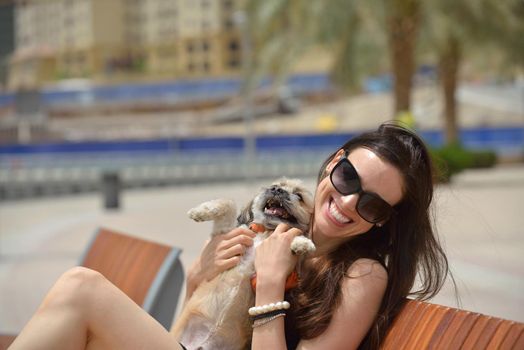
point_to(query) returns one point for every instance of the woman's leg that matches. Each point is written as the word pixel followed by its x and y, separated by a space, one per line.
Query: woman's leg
pixel 84 310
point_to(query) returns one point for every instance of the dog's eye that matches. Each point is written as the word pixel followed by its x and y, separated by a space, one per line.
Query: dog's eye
pixel 299 195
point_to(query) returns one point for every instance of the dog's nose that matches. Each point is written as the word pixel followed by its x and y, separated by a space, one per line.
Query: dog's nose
pixel 276 190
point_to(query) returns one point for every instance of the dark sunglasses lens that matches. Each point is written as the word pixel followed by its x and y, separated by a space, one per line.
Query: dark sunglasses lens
pixel 345 178
pixel 373 209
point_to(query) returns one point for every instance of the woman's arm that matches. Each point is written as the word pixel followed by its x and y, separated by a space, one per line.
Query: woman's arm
pixel 220 253
pixel 273 263
pixel 362 294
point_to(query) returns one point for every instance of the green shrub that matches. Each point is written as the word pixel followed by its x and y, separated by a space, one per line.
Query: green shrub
pixel 454 158
pixel 484 159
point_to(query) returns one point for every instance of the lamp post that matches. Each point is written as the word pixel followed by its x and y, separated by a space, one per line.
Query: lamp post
pixel 241 21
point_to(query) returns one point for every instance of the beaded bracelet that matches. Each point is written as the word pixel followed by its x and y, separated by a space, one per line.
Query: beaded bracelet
pixel 262 309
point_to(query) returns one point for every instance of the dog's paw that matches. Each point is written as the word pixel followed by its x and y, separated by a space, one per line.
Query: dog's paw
pixel 302 245
pixel 212 210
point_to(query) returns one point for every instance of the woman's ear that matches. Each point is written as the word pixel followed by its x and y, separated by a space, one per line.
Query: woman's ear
pixel 338 156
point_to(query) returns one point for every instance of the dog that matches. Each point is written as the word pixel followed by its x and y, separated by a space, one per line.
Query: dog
pixel 216 316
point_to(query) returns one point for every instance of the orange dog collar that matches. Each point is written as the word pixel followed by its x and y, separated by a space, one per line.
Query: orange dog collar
pixel 258 228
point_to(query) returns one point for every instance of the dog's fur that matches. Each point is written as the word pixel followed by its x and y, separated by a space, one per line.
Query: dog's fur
pixel 216 316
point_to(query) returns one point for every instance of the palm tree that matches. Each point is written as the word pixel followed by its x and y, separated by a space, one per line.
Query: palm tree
pixel 358 32
pixel 279 31
pixel 451 27
pixel 403 23
pixel 283 28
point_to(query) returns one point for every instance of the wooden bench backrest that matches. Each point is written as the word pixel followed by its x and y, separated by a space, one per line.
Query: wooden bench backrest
pixel 129 263
pixel 422 325
pixel 149 273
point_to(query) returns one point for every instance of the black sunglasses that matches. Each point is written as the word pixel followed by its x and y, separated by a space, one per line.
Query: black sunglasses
pixel 346 181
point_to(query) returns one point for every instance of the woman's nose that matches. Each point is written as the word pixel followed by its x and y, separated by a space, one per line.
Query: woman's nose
pixel 350 201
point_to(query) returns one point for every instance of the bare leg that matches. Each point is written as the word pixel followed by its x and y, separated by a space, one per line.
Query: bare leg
pixel 83 310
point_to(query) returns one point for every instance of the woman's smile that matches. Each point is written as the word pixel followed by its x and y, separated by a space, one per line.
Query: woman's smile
pixel 336 215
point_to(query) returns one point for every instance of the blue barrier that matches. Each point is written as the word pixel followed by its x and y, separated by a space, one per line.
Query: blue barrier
pixel 188 90
pixel 504 141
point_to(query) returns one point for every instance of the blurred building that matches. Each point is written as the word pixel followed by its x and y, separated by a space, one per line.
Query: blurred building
pixel 65 38
pixel 7 42
pixel 123 39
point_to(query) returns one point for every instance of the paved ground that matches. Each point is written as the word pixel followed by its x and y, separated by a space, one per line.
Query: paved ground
pixel 479 217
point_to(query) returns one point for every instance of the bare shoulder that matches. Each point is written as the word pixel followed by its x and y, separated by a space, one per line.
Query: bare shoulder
pixel 367 268
pixel 366 276
pixel 362 291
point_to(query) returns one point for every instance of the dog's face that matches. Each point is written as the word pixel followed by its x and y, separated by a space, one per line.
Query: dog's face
pixel 285 201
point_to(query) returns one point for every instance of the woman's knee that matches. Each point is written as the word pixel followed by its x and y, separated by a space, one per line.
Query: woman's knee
pixel 76 287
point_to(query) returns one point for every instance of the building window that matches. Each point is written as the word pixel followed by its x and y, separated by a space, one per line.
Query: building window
pixel 233 45
pixel 234 63
pixel 228 4
pixel 228 23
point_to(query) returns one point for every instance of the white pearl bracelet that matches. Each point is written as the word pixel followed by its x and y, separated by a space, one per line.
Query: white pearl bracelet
pixel 262 309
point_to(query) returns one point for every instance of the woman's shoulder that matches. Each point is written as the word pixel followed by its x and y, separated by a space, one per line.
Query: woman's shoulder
pixel 368 269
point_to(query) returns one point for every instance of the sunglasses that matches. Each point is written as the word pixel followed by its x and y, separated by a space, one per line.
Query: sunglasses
pixel 346 181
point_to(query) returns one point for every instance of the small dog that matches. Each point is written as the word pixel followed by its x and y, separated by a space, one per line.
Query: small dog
pixel 216 316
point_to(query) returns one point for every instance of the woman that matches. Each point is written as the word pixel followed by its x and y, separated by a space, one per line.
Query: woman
pixel 373 233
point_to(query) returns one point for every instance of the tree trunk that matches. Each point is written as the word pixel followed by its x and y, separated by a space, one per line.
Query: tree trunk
pixel 449 63
pixel 403 29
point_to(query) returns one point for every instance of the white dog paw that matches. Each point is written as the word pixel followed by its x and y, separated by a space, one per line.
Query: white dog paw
pixel 302 245
pixel 212 210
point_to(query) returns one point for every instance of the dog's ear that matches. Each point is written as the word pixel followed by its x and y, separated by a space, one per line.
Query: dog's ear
pixel 246 215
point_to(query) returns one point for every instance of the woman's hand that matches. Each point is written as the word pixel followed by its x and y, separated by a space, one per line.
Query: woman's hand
pixel 220 253
pixel 274 260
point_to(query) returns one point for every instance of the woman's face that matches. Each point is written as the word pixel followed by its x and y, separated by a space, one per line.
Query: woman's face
pixel 336 217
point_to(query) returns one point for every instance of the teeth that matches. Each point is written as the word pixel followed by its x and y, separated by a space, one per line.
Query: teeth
pixel 338 215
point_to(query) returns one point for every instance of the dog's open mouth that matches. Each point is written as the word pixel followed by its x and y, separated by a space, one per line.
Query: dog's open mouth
pixel 275 208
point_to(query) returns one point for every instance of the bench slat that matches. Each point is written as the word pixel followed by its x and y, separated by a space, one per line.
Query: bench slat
pixel 400 328
pixel 481 333
pixel 442 327
pixel 425 334
pixel 421 325
pixel 519 340
pixel 499 336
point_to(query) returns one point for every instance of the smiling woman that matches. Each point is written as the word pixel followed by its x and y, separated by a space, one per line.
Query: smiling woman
pixel 373 233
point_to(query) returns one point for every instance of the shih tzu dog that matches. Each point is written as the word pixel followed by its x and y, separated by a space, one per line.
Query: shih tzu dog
pixel 216 315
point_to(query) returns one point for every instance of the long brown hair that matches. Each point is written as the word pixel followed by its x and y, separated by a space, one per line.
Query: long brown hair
pixel 405 245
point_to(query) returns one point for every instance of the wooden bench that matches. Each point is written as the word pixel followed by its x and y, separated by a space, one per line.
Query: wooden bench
pixel 149 273
pixel 422 325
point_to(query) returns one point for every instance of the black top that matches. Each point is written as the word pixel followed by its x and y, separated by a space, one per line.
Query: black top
pixel 292 337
